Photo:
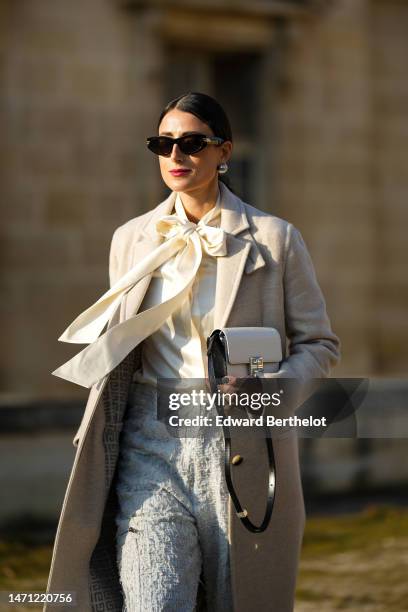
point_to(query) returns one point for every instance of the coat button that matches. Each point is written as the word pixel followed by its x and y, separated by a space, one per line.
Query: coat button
pixel 237 459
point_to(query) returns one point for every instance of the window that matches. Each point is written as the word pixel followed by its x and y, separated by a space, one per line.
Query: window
pixel 232 78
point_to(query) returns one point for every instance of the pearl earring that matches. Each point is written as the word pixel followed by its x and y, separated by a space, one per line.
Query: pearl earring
pixel 223 168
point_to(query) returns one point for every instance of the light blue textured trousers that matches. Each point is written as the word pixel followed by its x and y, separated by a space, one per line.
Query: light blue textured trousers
pixel 172 546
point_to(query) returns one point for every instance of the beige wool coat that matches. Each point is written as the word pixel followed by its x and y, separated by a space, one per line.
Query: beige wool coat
pixel 266 279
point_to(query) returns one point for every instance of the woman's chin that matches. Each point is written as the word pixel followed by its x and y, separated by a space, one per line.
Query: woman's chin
pixel 180 183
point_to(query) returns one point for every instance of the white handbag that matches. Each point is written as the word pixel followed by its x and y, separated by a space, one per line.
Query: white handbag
pixel 243 351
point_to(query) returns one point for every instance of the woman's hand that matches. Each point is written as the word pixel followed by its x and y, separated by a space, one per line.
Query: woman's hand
pixel 233 384
pixel 229 385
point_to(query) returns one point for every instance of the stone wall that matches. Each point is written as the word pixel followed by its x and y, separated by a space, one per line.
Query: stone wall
pixel 341 170
pixel 79 88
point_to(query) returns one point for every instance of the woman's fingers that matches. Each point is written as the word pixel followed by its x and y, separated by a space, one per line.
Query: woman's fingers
pixel 240 385
pixel 229 385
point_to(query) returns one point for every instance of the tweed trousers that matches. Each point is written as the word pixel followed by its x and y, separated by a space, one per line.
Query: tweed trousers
pixel 171 541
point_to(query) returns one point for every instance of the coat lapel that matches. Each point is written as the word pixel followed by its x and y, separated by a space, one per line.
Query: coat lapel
pixel 243 254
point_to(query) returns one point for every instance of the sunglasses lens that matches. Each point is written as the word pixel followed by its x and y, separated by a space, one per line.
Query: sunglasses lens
pixel 160 145
pixel 192 144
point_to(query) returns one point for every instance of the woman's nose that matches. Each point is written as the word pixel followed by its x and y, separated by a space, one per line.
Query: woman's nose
pixel 176 153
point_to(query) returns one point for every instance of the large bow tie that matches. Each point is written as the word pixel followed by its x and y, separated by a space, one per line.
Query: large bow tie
pixel 184 239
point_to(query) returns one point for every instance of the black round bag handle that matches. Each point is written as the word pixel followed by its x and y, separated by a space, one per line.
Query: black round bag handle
pixel 217 369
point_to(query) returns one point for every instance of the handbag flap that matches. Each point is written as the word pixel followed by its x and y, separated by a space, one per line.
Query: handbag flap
pixel 245 342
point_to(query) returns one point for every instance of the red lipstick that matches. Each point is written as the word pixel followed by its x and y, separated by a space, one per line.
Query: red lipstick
pixel 180 171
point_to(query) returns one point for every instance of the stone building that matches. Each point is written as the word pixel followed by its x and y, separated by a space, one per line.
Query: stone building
pixel 317 96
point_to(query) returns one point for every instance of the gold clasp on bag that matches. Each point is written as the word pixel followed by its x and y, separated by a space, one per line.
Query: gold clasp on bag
pixel 256 365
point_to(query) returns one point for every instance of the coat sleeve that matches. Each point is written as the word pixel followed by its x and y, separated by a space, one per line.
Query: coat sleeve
pixel 313 347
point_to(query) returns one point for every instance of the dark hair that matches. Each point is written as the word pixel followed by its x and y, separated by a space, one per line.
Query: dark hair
pixel 209 111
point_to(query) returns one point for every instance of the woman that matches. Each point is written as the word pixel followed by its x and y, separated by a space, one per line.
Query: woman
pixel 147 522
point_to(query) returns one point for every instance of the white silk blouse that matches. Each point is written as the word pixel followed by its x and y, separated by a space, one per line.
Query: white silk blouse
pixel 178 348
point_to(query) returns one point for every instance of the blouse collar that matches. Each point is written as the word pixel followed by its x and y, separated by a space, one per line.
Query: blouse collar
pixel 210 215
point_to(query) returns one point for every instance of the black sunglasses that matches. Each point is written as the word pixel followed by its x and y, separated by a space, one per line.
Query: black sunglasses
pixel 189 144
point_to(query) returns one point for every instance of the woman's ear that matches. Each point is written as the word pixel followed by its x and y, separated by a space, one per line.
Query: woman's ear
pixel 226 151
